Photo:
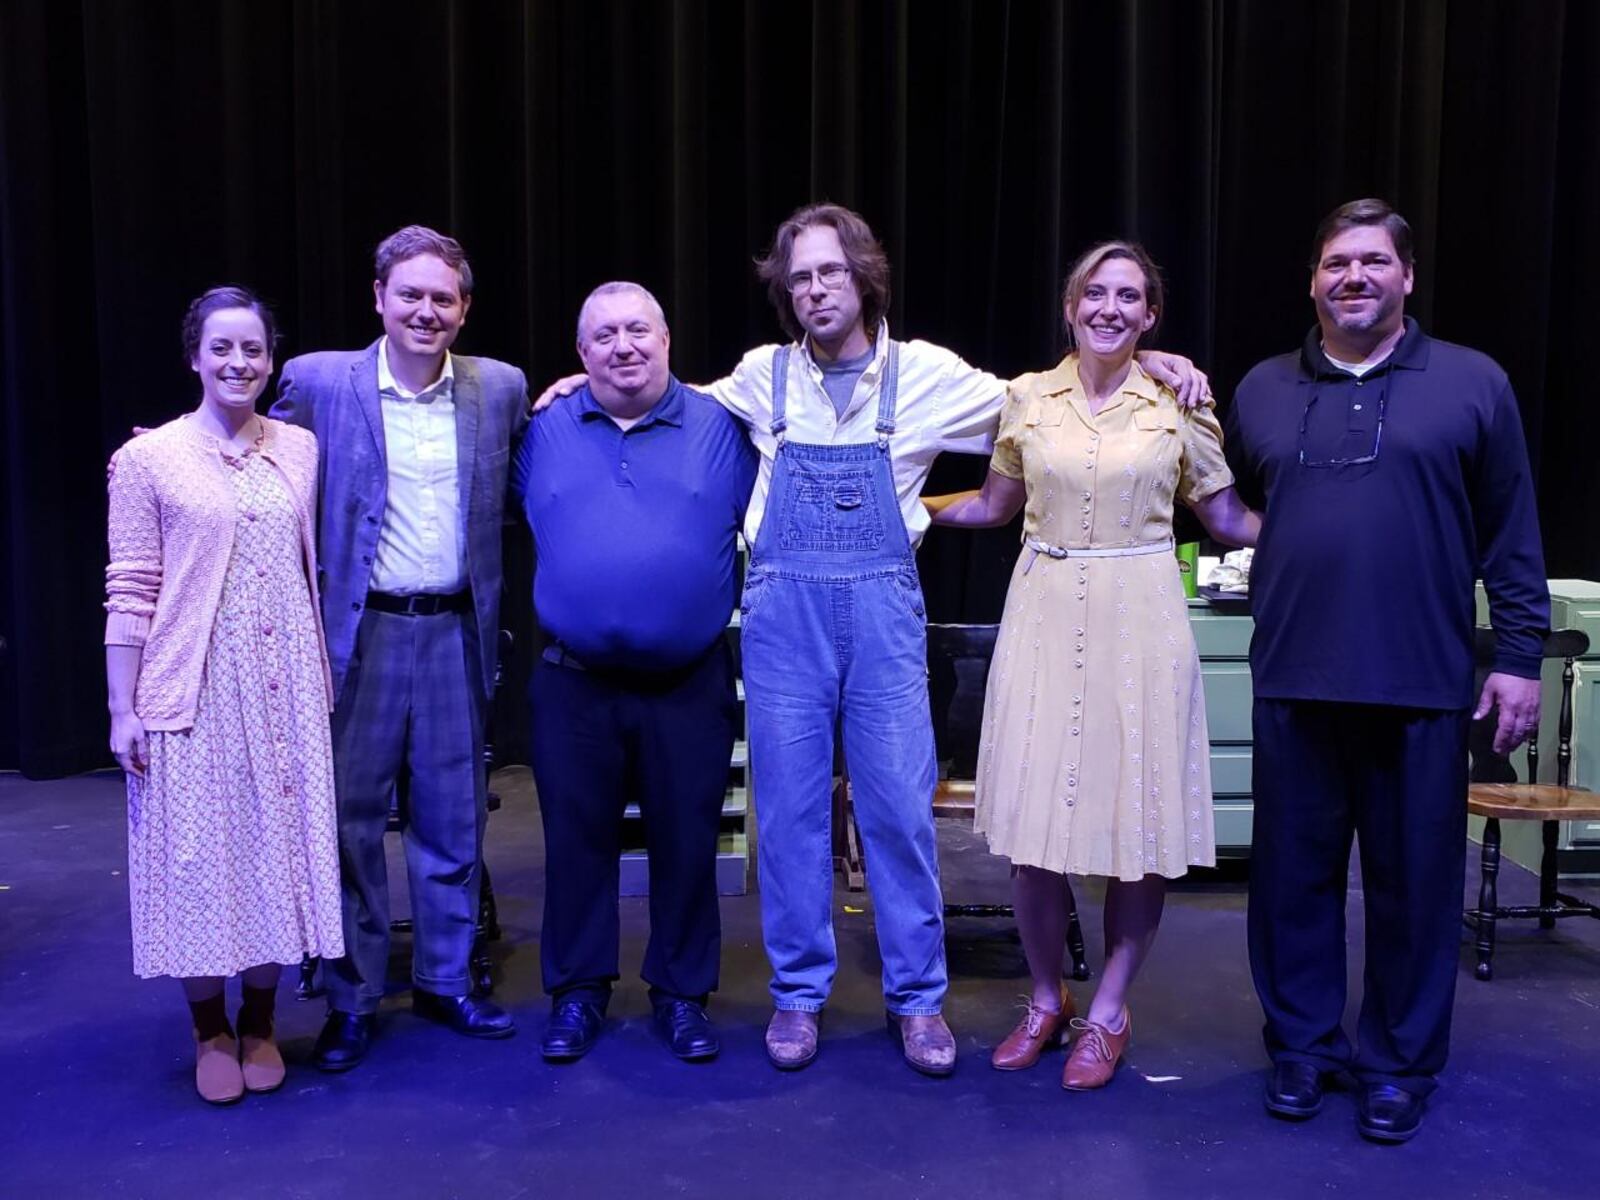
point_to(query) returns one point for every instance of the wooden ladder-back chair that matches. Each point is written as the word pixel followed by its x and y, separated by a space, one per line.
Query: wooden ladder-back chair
pixel 1495 794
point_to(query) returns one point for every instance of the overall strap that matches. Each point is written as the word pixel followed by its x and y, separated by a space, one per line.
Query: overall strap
pixel 780 384
pixel 888 393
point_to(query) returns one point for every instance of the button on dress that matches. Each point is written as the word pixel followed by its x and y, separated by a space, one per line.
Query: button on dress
pixel 1094 756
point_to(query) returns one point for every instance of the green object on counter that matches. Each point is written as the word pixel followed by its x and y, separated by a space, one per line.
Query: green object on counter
pixel 1189 567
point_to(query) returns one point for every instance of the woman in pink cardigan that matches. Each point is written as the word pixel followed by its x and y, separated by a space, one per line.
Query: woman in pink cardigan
pixel 219 695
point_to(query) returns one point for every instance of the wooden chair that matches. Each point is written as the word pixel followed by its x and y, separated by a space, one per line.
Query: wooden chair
pixel 958 673
pixel 1495 794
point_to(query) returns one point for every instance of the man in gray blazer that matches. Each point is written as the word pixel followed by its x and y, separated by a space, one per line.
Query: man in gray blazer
pixel 415 444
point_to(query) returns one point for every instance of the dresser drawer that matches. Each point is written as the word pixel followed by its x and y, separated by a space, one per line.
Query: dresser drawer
pixel 1229 699
pixel 1230 771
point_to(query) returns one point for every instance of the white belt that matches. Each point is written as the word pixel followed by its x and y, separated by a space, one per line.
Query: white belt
pixel 1039 547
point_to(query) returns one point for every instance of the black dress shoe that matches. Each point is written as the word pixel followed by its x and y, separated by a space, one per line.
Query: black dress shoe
pixel 574 1026
pixel 471 1016
pixel 344 1040
pixel 687 1029
pixel 1294 1090
pixel 1389 1114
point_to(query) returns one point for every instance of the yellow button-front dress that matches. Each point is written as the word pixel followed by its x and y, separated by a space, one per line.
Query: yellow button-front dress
pixel 1094 758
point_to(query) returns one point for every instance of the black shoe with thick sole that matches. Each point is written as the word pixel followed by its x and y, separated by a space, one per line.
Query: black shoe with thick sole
pixel 470 1016
pixel 1294 1091
pixel 687 1030
pixel 574 1026
pixel 1390 1114
pixel 344 1040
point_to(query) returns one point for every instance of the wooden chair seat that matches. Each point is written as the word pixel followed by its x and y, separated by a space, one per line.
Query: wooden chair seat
pixel 1496 795
pixel 955 798
pixel 1533 802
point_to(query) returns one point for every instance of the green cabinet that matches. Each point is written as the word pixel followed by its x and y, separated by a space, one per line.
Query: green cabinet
pixel 1222 637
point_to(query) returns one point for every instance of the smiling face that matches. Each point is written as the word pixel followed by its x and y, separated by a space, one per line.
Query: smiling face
pixel 422 305
pixel 234 359
pixel 1112 311
pixel 1360 285
pixel 623 343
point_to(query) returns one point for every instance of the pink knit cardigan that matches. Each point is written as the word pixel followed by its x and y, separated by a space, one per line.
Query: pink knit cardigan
pixel 171 528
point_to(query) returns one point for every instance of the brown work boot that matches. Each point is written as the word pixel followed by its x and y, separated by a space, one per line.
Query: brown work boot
pixel 927 1043
pixel 791 1039
pixel 216 1069
pixel 1039 1029
pixel 1095 1054
pixel 260 1063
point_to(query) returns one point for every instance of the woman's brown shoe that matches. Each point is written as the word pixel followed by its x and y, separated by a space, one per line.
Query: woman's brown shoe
pixel 260 1064
pixel 217 1076
pixel 1039 1030
pixel 1095 1054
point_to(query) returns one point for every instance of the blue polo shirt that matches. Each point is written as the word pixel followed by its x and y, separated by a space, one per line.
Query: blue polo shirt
pixel 1362 583
pixel 635 529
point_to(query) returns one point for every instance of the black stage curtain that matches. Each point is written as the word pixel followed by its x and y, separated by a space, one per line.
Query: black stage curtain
pixel 150 148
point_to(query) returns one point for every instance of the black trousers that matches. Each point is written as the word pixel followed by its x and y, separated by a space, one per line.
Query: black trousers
pixel 603 739
pixel 1396 780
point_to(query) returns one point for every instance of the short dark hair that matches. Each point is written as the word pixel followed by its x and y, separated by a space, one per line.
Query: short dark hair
pixel 1155 295
pixel 621 286
pixel 214 300
pixel 1370 211
pixel 416 240
pixel 869 265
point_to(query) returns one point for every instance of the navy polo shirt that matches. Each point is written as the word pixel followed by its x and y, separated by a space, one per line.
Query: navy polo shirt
pixel 635 529
pixel 1362 587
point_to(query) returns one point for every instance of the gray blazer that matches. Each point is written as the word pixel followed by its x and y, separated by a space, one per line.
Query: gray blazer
pixel 335 395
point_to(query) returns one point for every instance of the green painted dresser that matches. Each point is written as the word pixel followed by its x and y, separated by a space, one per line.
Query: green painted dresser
pixel 1222 636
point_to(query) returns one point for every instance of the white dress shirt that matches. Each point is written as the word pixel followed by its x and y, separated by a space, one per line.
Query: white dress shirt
pixel 421 539
pixel 943 403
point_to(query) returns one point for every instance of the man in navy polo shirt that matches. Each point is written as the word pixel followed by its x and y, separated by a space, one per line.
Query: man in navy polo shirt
pixel 1394 473
pixel 635 487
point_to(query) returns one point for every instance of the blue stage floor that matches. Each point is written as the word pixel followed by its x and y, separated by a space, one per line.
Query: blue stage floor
pixel 96 1067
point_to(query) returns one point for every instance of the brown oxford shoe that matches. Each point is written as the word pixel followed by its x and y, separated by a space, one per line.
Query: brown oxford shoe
pixel 791 1039
pixel 927 1043
pixel 1095 1054
pixel 1039 1030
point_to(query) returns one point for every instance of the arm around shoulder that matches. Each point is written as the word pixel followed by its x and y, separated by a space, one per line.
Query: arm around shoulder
pixel 295 405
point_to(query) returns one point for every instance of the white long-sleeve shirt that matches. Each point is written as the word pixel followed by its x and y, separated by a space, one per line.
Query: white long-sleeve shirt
pixel 943 403
pixel 421 539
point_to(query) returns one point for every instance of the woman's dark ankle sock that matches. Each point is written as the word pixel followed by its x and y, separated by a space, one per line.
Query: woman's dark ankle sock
pixel 210 1017
pixel 255 1014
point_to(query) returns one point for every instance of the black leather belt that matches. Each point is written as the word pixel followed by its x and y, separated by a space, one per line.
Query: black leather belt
pixel 425 605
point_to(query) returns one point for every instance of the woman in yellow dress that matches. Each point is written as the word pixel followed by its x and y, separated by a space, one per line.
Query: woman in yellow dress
pixel 1094 758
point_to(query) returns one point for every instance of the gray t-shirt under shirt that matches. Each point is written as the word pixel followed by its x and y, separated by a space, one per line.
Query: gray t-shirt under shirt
pixel 839 379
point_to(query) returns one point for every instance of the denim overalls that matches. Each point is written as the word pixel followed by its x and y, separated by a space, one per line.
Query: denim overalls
pixel 834 635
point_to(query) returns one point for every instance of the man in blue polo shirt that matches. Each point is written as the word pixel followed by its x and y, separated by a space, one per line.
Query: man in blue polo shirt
pixel 1393 472
pixel 635 487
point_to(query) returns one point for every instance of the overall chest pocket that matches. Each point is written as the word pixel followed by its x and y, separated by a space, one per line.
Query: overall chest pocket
pixel 833 510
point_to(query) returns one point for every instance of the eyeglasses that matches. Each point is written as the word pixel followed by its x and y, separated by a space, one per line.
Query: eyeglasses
pixel 1377 437
pixel 831 276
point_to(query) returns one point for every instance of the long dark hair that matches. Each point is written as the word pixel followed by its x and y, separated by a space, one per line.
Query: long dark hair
pixel 869 265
